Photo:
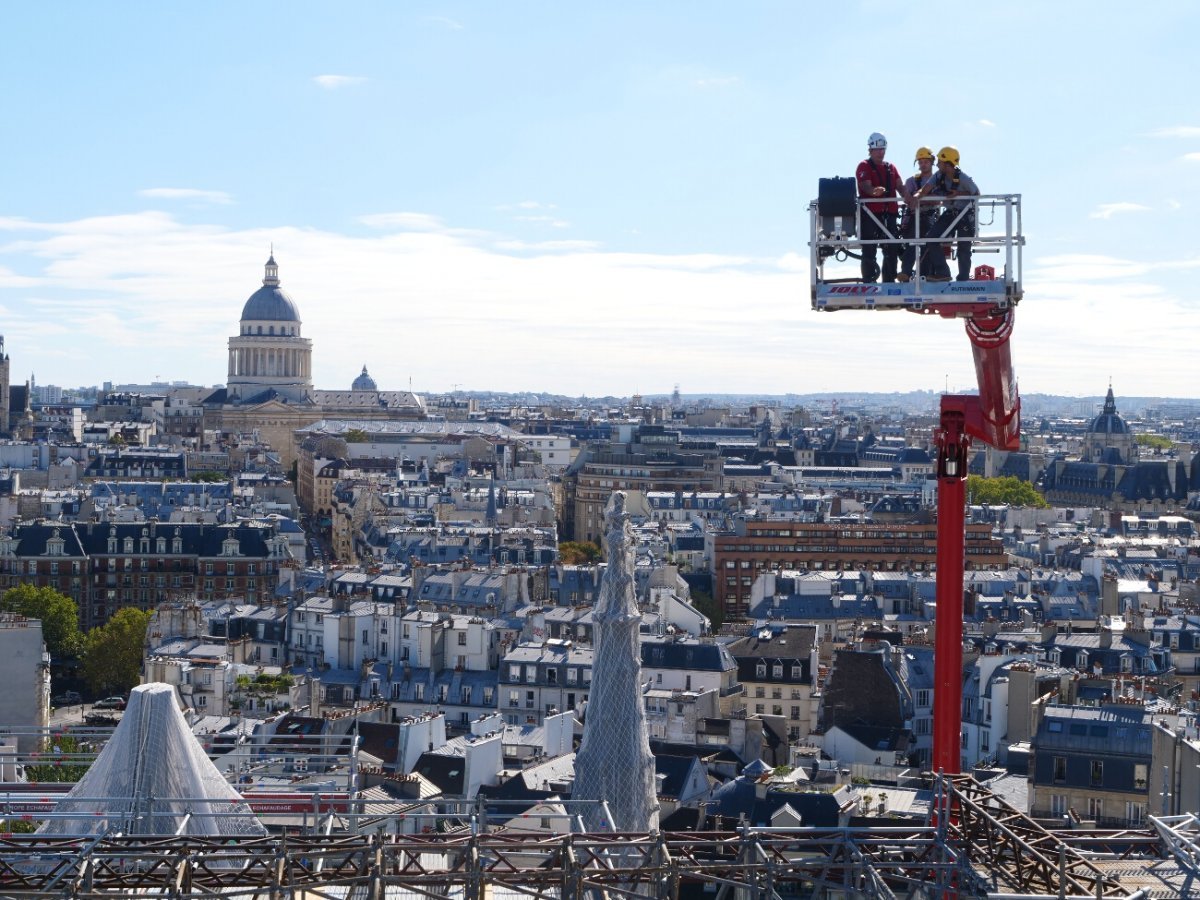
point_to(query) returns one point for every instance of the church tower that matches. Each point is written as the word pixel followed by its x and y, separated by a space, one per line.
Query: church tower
pixel 1109 439
pixel 269 358
pixel 5 392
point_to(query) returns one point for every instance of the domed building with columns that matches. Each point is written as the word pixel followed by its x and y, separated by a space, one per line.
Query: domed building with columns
pixel 269 390
pixel 268 357
pixel 1110 474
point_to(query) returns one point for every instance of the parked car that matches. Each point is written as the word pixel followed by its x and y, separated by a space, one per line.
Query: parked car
pixel 66 698
pixel 110 703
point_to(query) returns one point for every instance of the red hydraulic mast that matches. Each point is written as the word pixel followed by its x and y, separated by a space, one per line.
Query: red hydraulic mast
pixel 994 417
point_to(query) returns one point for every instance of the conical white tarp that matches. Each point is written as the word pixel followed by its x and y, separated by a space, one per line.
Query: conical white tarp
pixel 153 777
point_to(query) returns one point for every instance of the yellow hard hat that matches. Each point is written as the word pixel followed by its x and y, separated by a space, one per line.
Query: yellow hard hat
pixel 923 153
pixel 948 154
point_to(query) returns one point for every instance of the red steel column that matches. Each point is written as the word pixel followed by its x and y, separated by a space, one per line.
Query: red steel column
pixel 953 444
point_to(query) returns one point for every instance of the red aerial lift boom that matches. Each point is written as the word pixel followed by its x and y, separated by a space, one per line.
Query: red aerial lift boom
pixel 994 417
pixel 986 303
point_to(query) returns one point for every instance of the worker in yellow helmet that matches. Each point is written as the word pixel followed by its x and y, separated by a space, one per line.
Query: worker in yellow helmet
pixel 956 190
pixel 916 213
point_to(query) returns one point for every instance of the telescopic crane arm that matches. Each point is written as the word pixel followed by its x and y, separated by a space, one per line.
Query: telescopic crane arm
pixel 986 304
pixel 993 417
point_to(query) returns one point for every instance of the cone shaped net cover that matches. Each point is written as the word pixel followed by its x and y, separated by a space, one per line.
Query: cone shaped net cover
pixel 614 762
pixel 150 776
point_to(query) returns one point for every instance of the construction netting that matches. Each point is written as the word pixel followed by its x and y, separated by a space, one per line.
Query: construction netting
pixel 614 765
pixel 153 777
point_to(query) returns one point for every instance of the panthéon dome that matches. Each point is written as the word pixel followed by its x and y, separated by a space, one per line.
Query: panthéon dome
pixel 270 303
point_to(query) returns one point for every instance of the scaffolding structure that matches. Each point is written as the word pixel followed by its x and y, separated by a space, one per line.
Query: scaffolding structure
pixel 982 849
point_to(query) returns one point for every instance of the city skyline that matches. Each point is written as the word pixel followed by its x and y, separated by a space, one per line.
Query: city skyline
pixel 576 201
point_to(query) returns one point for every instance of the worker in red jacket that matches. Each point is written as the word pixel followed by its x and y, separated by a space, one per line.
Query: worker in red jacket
pixel 878 178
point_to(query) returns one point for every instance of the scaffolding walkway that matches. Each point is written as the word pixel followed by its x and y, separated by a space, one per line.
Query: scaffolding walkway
pixel 982 849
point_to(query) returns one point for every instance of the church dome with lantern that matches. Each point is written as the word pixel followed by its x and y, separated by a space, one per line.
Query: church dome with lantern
pixel 269 358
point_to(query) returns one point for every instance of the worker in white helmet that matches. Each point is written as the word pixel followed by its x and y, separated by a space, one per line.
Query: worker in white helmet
pixel 878 178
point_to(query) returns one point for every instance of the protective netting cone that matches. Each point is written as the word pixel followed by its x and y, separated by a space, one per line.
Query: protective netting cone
pixel 614 763
pixel 150 776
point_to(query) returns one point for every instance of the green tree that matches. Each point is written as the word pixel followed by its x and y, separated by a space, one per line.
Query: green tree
pixel 704 602
pixel 58 613
pixel 1154 441
pixel 356 436
pixel 1003 491
pixel 112 653
pixel 209 475
pixel 578 553
pixel 62 759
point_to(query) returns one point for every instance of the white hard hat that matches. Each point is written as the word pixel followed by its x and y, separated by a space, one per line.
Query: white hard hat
pixel 876 142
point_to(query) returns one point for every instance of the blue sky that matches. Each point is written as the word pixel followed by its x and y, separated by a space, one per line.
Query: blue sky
pixel 581 199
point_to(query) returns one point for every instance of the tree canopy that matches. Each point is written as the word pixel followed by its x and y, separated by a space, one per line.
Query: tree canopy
pixel 1005 491
pixel 704 602
pixel 64 760
pixel 578 553
pixel 1154 441
pixel 112 653
pixel 58 613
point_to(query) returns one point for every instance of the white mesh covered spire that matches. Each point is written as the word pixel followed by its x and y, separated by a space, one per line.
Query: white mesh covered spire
pixel 614 762
pixel 150 775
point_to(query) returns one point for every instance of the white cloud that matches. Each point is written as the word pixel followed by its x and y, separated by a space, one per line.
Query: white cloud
pixel 219 198
pixel 8 278
pixel 445 22
pixel 333 82
pixel 552 221
pixel 793 262
pixel 10 223
pixel 549 246
pixel 405 221
pixel 524 205
pixel 1177 131
pixel 987 123
pixel 1174 204
pixel 422 299
pixel 1191 157
pixel 1108 210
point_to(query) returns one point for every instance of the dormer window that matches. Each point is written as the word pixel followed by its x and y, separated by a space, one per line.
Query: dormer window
pixel 128 545
pixel 55 546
